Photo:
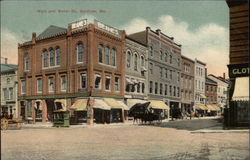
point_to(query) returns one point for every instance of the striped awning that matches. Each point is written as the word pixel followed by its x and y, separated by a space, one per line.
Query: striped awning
pixel 100 104
pixel 80 105
pixel 158 104
pixel 241 89
pixel 125 107
pixel 201 107
pixel 113 103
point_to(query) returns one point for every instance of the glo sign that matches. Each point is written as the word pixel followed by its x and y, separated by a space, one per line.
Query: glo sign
pixel 239 71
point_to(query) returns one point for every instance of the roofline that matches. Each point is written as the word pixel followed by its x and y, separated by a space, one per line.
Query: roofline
pixel 187 58
pixel 217 78
pixel 127 37
pixel 200 62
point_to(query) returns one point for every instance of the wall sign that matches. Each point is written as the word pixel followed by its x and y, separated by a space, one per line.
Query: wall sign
pixel 79 24
pixel 107 28
pixel 238 70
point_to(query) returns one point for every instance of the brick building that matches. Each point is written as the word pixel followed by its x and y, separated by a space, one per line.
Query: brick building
pixel 211 91
pixel 63 65
pixel 239 110
pixel 187 84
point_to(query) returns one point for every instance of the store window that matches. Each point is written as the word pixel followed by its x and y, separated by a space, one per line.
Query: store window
pixel 98 84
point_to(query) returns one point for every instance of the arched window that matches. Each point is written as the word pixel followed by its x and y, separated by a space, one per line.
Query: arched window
pixel 51 57
pixel 170 58
pixel 58 54
pixel 100 53
pixel 142 61
pixel 128 58
pixel 107 55
pixel 79 50
pixel 113 57
pixel 166 57
pixel 26 62
pixel 135 62
pixel 45 58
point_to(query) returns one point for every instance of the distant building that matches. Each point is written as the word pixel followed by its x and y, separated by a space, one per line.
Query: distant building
pixel 211 91
pixel 164 66
pixel 239 70
pixel 187 84
pixel 62 67
pixel 9 89
pixel 200 79
pixel 136 72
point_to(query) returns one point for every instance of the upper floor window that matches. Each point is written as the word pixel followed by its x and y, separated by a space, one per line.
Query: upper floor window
pixel 128 58
pixel 79 51
pixel 178 62
pixel 39 85
pixel 5 94
pixel 58 55
pixel 161 71
pixel 11 93
pixel 51 57
pixel 100 53
pixel 151 68
pixel 83 80
pixel 143 87
pixel 107 83
pixel 117 83
pixel 178 92
pixel 161 55
pixel 107 55
pixel 26 62
pixel 151 50
pixel 98 82
pixel 51 84
pixel 170 90
pixel 138 87
pixel 142 61
pixel 166 57
pixel 113 57
pixel 178 76
pixel 45 58
pixel 166 73
pixel 161 87
pixel 63 83
pixel 156 88
pixel 174 91
pixel 166 89
pixel 170 74
pixel 150 87
pixel 23 87
pixel 136 62
pixel 170 59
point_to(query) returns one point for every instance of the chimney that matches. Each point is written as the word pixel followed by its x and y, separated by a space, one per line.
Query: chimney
pixel 224 75
pixel 33 37
pixel 5 60
pixel 158 31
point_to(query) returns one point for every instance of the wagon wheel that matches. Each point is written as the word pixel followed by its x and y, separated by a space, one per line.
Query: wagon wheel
pixel 4 124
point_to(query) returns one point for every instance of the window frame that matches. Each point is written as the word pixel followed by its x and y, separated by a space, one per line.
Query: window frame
pixel 37 85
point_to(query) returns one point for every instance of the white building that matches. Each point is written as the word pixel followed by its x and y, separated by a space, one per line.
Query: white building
pixel 221 90
pixel 9 86
pixel 200 79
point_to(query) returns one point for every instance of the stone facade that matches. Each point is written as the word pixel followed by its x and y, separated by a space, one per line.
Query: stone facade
pixel 200 79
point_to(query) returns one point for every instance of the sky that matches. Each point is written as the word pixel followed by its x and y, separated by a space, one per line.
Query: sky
pixel 201 27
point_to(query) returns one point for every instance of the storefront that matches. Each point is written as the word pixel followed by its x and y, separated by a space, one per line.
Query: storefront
pixel 238 113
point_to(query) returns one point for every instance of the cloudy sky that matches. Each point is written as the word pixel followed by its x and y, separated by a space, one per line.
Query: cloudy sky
pixel 200 26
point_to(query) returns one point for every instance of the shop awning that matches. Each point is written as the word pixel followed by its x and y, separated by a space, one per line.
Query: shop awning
pixel 201 107
pixel 125 107
pixel 132 102
pixel 203 96
pixel 216 107
pixel 100 104
pixel 63 104
pixel 241 89
pixel 211 108
pixel 80 105
pixel 158 104
pixel 113 103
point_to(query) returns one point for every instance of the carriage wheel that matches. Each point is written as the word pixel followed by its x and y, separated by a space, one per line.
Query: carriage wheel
pixel 4 124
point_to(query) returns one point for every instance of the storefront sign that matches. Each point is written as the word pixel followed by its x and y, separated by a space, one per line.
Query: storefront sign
pixel 107 28
pixel 79 24
pixel 239 70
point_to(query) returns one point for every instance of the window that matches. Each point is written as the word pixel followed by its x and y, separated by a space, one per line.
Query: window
pixel 51 57
pixel 128 58
pixel 151 68
pixel 142 61
pixel 166 73
pixel 138 87
pixel 11 93
pixel 166 89
pixel 51 84
pixel 63 83
pixel 79 51
pixel 107 83
pixel 161 87
pixel 151 50
pixel 143 87
pixel 39 85
pixel 107 55
pixel 202 85
pixel 117 84
pixel 98 84
pixel 150 87
pixel 100 54
pixel 23 87
pixel 83 80
pixel 135 62
pixel 170 59
pixel 58 54
pixel 178 61
pixel 26 62
pixel 174 91
pixel 178 76
pixel 170 90
pixel 166 57
pixel 156 88
pixel 170 74
pixel 178 92
pixel 161 72
pixel 113 56
pixel 45 58
pixel 161 55
pixel 5 93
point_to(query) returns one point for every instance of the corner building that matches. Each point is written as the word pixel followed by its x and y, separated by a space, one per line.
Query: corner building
pixel 67 65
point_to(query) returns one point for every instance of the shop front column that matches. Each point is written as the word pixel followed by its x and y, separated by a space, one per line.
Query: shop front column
pixel 44 111
pixel 90 111
pixel 33 102
pixel 122 115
